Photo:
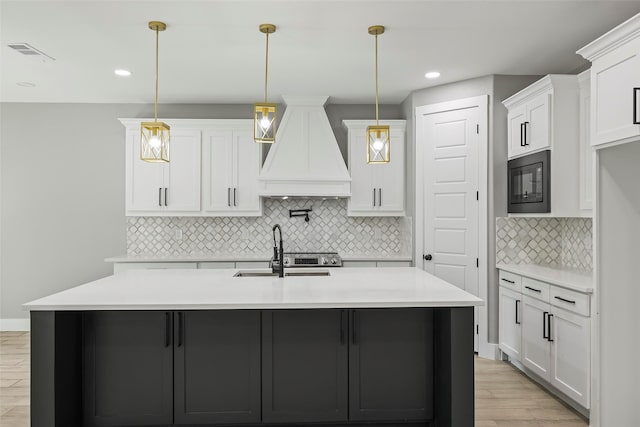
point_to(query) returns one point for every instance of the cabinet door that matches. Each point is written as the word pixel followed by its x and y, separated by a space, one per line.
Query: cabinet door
pixel 362 200
pixel 570 352
pixel 246 169
pixel 538 124
pixel 304 366
pixel 535 346
pixel 217 367
pixel 391 364
pixel 389 178
pixel 182 177
pixel 516 118
pixel 127 368
pixel 217 177
pixel 144 184
pixel 510 303
pixel 613 79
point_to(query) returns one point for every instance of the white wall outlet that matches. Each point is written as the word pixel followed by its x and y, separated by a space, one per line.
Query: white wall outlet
pixel 177 234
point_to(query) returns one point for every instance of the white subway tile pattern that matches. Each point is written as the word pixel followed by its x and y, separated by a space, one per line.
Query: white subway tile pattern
pixel 562 242
pixel 329 229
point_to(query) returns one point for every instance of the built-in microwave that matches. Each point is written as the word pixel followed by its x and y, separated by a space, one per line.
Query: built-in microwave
pixel 529 183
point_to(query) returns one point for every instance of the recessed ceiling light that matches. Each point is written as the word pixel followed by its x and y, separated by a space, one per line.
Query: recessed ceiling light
pixel 122 73
pixel 432 75
pixel 26 84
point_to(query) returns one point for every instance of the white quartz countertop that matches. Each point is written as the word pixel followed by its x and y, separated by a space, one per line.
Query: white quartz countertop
pixel 236 258
pixel 218 289
pixel 565 277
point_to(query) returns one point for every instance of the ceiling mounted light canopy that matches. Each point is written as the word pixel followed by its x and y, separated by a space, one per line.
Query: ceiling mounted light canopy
pixel 378 139
pixel 155 135
pixel 264 113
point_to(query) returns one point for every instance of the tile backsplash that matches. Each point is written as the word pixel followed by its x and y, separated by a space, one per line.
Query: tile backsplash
pixel 564 242
pixel 329 229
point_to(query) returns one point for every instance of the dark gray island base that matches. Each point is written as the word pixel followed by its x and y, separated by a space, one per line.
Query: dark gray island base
pixel 287 367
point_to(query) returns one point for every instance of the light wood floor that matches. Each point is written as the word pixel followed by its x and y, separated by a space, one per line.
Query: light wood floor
pixel 504 397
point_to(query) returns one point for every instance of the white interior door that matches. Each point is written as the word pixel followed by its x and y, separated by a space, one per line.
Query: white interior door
pixel 450 161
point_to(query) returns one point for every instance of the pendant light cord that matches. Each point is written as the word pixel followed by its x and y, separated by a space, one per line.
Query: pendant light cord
pixel 376 79
pixel 266 69
pixel 156 106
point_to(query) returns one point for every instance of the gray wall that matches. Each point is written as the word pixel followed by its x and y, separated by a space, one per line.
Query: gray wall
pixel 498 87
pixel 62 189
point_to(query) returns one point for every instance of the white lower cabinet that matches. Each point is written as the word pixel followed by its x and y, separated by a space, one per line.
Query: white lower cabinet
pixel 547 328
pixel 510 322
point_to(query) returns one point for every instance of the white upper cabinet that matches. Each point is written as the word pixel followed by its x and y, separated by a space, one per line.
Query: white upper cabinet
pixel 541 114
pixel 376 189
pixel 615 83
pixel 163 188
pixel 213 161
pixel 231 165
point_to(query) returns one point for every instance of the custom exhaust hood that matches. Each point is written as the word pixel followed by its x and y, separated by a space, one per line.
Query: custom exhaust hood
pixel 305 161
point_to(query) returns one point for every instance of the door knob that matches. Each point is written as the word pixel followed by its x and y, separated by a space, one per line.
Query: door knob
pixel 427 257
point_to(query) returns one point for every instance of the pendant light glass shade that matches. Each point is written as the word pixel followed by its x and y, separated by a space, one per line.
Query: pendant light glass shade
pixel 378 138
pixel 378 144
pixel 155 136
pixel 264 113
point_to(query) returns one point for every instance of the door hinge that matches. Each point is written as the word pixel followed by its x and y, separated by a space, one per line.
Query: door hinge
pixel 478 129
pixel 477 263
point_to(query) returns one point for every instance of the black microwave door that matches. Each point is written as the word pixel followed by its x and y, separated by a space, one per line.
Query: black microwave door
pixel 529 184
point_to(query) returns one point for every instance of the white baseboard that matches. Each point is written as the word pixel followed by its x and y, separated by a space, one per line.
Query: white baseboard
pixel 15 324
pixel 489 351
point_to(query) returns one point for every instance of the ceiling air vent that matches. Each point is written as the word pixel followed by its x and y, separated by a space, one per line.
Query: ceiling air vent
pixel 28 50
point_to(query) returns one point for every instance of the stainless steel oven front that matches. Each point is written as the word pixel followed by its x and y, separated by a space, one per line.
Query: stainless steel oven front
pixel 529 183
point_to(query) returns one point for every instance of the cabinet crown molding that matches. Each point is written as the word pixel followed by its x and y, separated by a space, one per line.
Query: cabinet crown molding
pixel 186 123
pixel 620 35
pixel 362 124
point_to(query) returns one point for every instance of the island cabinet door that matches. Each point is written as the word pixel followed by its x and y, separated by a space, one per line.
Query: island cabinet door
pixel 391 364
pixel 127 368
pixel 217 367
pixel 304 366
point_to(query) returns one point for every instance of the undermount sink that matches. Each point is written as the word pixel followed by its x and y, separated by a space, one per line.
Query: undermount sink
pixel 269 273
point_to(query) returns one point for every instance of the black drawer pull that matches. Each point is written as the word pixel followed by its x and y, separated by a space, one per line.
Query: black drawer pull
pixel 545 333
pixel 521 138
pixel 549 328
pixel 533 289
pixel 565 300
pixel 525 133
pixel 508 281
pixel 517 317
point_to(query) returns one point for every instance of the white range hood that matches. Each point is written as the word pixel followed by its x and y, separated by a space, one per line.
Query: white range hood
pixel 305 160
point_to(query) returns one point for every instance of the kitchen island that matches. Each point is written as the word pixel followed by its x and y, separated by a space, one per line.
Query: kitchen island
pixel 383 346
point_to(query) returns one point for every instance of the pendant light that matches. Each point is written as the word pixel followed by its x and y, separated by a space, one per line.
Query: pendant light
pixel 377 136
pixel 264 113
pixel 155 135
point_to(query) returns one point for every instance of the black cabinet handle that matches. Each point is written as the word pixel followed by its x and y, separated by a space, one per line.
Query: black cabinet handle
pixel 636 120
pixel 159 196
pixel 508 281
pixel 234 196
pixel 180 329
pixel 167 329
pixel 525 133
pixel 229 196
pixel 166 195
pixel 517 306
pixel 380 197
pixel 565 300
pixel 549 328
pixel 353 327
pixel 428 257
pixel 374 197
pixel 545 335
pixel 521 137
pixel 342 324
pixel 533 289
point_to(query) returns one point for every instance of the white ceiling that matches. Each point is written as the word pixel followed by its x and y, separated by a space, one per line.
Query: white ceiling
pixel 212 51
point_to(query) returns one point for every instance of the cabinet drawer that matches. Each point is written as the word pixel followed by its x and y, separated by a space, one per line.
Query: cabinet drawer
pixel 535 289
pixel 510 280
pixel 570 300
